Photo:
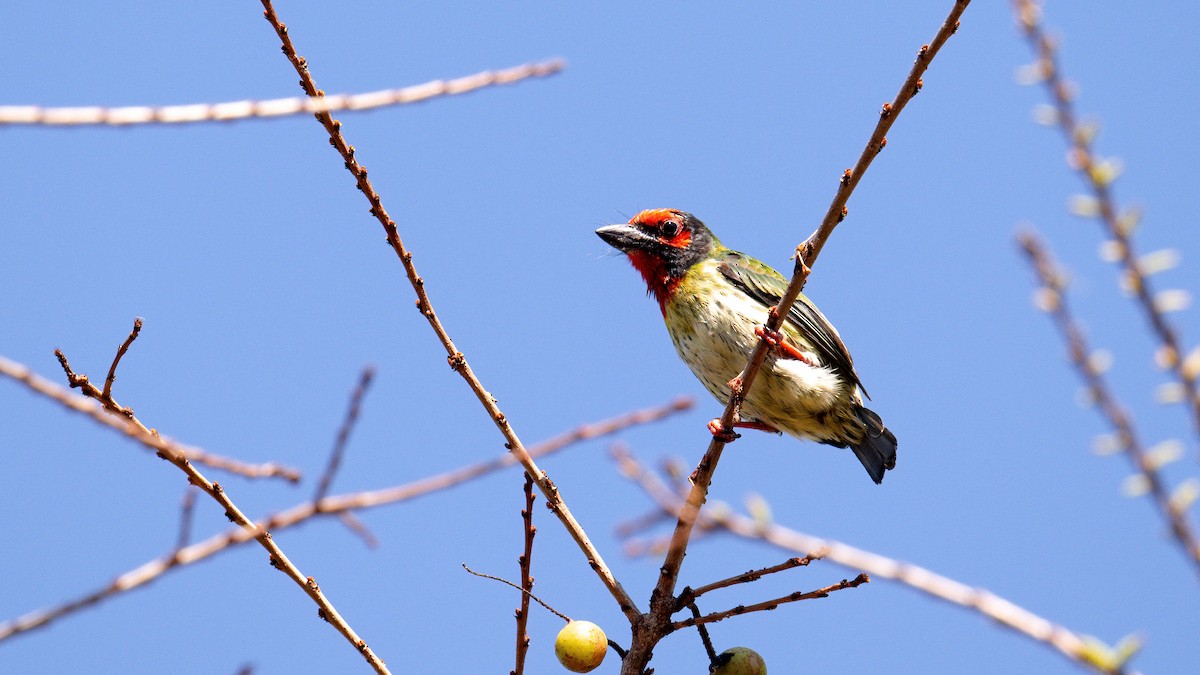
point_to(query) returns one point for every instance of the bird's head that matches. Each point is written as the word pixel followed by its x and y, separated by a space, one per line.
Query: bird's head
pixel 662 244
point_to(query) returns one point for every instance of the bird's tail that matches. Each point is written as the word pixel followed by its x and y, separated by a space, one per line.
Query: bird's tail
pixel 877 451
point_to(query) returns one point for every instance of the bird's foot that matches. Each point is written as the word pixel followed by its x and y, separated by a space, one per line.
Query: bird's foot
pixel 780 345
pixel 724 435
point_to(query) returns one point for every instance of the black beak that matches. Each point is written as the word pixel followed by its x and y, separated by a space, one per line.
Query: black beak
pixel 625 237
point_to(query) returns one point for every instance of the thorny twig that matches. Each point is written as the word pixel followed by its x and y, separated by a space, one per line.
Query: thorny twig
pixel 457 360
pixel 278 559
pixel 526 562
pixel 279 107
pixel 337 506
pixel 94 410
pixel 662 598
pixel 1055 303
pixel 1079 648
pixel 1099 174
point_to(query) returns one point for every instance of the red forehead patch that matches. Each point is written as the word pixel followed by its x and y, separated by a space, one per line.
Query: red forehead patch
pixel 655 217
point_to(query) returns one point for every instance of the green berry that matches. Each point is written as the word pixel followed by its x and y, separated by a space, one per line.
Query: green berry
pixel 581 646
pixel 739 661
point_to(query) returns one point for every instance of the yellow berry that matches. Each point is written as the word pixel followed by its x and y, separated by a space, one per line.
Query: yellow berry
pixel 581 646
pixel 740 661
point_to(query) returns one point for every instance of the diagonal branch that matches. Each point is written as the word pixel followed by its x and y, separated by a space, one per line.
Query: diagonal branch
pixel 343 435
pixel 769 605
pixel 456 359
pixel 279 107
pixel 806 255
pixel 1099 174
pixel 156 442
pixel 335 506
pixel 1106 402
pixel 278 559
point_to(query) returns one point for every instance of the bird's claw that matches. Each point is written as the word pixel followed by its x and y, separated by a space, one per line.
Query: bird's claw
pixel 780 345
pixel 720 433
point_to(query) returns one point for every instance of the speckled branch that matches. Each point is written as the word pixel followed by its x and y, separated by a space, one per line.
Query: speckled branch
pixel 456 359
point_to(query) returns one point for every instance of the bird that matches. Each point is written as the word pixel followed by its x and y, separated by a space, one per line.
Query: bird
pixel 713 300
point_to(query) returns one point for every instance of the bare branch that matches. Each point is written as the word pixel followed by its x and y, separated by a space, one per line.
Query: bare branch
pixel 524 592
pixel 747 577
pixel 278 559
pixel 156 442
pixel 187 507
pixel 525 562
pixel 341 506
pixel 271 108
pixel 112 370
pixel 1099 175
pixel 343 435
pixel 1077 647
pixel 1055 303
pixel 456 359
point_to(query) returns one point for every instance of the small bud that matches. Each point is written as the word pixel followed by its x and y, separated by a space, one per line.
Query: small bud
pixel 1100 361
pixel 1029 74
pixel 1164 453
pixel 1084 206
pixel 1106 171
pixel 1158 261
pixel 1166 357
pixel 1045 114
pixel 1185 495
pixel 1172 300
pixel 1046 299
pixel 1169 393
pixel 759 510
pixel 1191 365
pixel 1135 485
pixel 1105 445
pixel 1127 222
pixel 1111 250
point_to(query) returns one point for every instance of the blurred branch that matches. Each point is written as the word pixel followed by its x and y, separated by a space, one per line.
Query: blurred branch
pixel 1053 300
pixel 343 435
pixel 279 107
pixel 718 517
pixel 151 440
pixel 335 506
pixel 662 599
pixel 1099 175
pixel 278 559
pixel 456 359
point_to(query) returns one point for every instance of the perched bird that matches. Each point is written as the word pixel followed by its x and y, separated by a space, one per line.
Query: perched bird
pixel 714 301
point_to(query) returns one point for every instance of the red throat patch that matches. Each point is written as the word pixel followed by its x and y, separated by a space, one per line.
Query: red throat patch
pixel 654 272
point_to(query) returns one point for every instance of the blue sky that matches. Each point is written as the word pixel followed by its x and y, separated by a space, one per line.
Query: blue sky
pixel 265 287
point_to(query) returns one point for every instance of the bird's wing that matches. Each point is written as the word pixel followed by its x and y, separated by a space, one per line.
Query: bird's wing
pixel 767 286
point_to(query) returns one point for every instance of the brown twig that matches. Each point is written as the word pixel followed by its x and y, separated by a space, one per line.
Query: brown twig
pixel 1099 176
pixel 112 370
pixel 661 599
pixel 343 435
pixel 278 559
pixel 1055 303
pixel 279 107
pixel 769 605
pixel 1079 648
pixel 524 592
pixel 703 631
pixel 338 505
pixel 458 362
pixel 94 410
pixel 525 561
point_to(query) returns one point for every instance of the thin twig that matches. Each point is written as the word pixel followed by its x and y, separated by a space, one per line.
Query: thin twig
pixel 112 370
pixel 662 600
pixel 747 577
pixel 769 605
pixel 160 444
pixel 458 362
pixel 526 563
pixel 1055 303
pixel 338 505
pixel 278 559
pixel 343 435
pixel 271 108
pixel 1099 176
pixel 524 592
pixel 1079 648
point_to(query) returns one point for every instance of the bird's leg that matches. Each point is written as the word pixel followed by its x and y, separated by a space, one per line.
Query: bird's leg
pixel 781 345
pixel 722 434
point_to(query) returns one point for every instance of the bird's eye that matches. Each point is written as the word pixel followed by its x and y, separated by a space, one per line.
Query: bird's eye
pixel 670 229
